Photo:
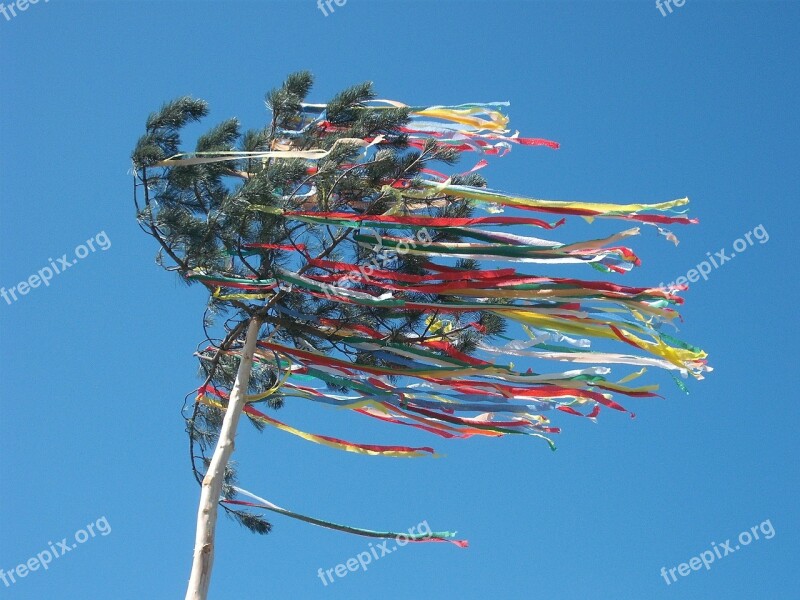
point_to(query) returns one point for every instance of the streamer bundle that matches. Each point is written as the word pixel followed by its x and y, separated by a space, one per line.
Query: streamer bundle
pixel 411 293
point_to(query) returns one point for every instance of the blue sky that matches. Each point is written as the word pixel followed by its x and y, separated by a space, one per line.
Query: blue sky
pixel 701 102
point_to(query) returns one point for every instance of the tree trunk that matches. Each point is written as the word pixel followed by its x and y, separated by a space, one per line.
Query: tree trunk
pixel 212 482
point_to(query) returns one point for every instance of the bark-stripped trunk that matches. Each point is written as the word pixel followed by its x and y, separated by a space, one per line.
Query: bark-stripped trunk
pixel 212 483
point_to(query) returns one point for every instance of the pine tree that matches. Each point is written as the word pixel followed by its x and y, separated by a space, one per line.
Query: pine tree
pixel 301 232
